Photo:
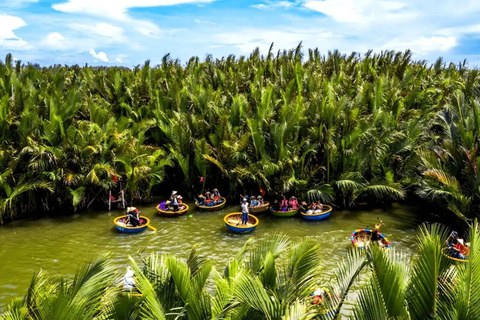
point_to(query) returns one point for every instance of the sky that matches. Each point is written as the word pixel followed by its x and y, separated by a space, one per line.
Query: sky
pixel 129 32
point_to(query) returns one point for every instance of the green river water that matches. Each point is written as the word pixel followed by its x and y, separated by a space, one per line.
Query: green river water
pixel 58 245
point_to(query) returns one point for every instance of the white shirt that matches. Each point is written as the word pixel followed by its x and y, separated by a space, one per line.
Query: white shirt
pixel 245 207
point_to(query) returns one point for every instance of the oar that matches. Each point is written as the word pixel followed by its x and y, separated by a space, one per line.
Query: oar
pixel 381 221
pixel 152 227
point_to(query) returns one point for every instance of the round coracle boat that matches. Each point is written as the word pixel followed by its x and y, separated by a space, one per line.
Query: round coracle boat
pixel 363 237
pixel 233 222
pixel 453 255
pixel 122 226
pixel 284 214
pixel 325 213
pixel 259 209
pixel 212 208
pixel 163 210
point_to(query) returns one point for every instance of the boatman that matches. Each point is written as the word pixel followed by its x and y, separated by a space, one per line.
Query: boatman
pixel 133 216
pixel 174 200
pixel 244 211
pixel 375 233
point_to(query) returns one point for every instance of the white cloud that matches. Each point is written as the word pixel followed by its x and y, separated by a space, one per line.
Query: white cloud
pixel 115 9
pixel 426 27
pixel 203 21
pixel 423 45
pixel 120 58
pixel 8 24
pixel 356 10
pixel 102 29
pixel 118 10
pixel 54 39
pixel 249 39
pixel 274 4
pixel 102 56
pixel 8 39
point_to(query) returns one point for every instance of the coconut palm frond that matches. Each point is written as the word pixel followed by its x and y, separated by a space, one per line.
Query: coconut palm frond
pixel 428 264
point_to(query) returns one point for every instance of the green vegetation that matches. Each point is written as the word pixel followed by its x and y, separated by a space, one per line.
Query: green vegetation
pixel 343 129
pixel 269 279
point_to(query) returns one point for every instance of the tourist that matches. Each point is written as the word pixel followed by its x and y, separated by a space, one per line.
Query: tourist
pixel 181 206
pixel 456 246
pixel 260 201
pixel 216 196
pixel 201 199
pixel 276 205
pixel 304 207
pixel 253 201
pixel 312 208
pixel 284 204
pixel 318 296
pixel 293 203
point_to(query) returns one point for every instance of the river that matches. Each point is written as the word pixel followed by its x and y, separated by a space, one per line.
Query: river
pixel 59 244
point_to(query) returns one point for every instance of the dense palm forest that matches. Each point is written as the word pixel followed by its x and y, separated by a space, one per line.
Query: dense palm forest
pixel 347 130
pixel 269 279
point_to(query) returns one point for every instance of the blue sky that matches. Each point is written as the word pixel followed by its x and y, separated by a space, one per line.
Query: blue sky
pixel 128 32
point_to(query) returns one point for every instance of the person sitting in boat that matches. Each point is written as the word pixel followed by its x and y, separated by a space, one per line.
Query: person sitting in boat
pixel 133 216
pixel 260 201
pixel 284 204
pixel 129 280
pixel 253 201
pixel 304 207
pixel 318 207
pixel 244 211
pixel 293 203
pixel 276 205
pixel 312 208
pixel 318 296
pixel 216 196
pixel 456 246
pixel 201 199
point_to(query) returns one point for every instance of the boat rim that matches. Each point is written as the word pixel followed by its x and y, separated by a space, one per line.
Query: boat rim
pixel 452 258
pixel 266 204
pixel 318 214
pixel 212 207
pixel 125 216
pixel 241 227
pixel 173 212
pixel 296 210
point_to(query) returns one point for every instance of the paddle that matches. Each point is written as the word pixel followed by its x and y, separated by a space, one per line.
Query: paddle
pixel 152 227
pixel 381 221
